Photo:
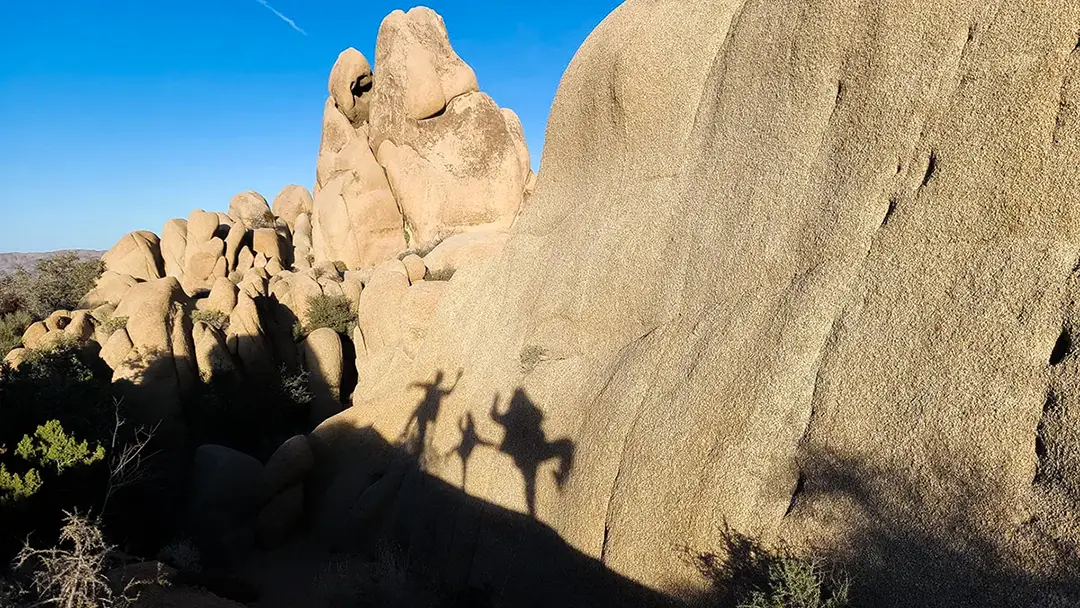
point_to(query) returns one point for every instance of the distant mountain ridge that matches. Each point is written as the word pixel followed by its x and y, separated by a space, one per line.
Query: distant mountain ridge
pixel 10 261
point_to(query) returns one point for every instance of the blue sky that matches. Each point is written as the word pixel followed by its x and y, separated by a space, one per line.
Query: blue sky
pixel 116 115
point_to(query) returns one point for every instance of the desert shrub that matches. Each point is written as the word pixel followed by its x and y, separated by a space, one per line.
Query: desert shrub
pixel 748 575
pixel 113 325
pixel 52 447
pixel 15 488
pixel 799 583
pixel 334 312
pixel 265 220
pixel 444 274
pixel 56 283
pixel 295 386
pixel 12 326
pixel 214 318
pixel 73 574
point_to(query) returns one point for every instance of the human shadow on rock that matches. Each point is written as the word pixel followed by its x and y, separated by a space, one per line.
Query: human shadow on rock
pixel 526 443
pixel 415 434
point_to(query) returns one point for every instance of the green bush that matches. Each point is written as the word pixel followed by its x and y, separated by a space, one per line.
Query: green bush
pixel 12 326
pixel 51 446
pixel 748 575
pixel 56 283
pixel 214 318
pixel 15 487
pixel 800 583
pixel 334 312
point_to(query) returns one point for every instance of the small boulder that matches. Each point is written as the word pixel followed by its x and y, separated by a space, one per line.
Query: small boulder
pixel 222 297
pixel 268 243
pixel 137 254
pixel 323 358
pixel 289 465
pixel 58 320
pixel 80 326
pixel 116 348
pixel 16 357
pixel 174 247
pixel 211 354
pixel 414 267
pixel 111 287
pixel 34 334
pixel 292 202
pixel 350 84
pixel 250 209
pixel 280 518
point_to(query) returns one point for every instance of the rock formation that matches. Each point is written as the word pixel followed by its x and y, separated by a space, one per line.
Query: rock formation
pixel 793 270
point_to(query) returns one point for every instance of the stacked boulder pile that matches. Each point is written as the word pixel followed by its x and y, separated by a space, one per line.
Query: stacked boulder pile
pixel 418 173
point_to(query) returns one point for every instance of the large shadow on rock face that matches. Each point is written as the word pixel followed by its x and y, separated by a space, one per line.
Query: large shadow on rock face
pixel 899 550
pixel 525 442
pixel 371 493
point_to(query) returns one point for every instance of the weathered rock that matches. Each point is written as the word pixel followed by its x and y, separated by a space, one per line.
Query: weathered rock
pixel 222 297
pixel 288 466
pixel 414 267
pixel 161 367
pixel 33 335
pixel 295 292
pixel 16 357
pixel 323 358
pixel 279 519
pixel 350 85
pixel 250 209
pixel 303 258
pixel 379 319
pixel 58 320
pixel 245 260
pixel 116 348
pixel 419 72
pixel 356 220
pixel 260 261
pixel 291 203
pixel 224 497
pixel 273 267
pixel 205 266
pixel 417 311
pixel 137 254
pixel 111 287
pixel 211 354
pixel 444 260
pixel 201 227
pixel 253 285
pixel 755 288
pixel 80 326
pixel 336 134
pixel 174 247
pixel 248 341
pixel 234 241
pixel 475 181
pixel 266 242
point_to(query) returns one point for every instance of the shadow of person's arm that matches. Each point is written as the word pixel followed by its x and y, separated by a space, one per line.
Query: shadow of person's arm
pixel 494 413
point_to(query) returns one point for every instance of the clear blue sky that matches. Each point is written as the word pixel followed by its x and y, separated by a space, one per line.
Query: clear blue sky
pixel 116 115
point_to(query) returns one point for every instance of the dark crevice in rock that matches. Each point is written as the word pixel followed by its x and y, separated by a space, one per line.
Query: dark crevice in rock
pixel 931 169
pixel 1062 347
pixel 800 485
pixel 889 211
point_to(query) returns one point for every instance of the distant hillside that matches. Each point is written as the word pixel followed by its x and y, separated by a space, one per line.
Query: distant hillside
pixel 11 261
